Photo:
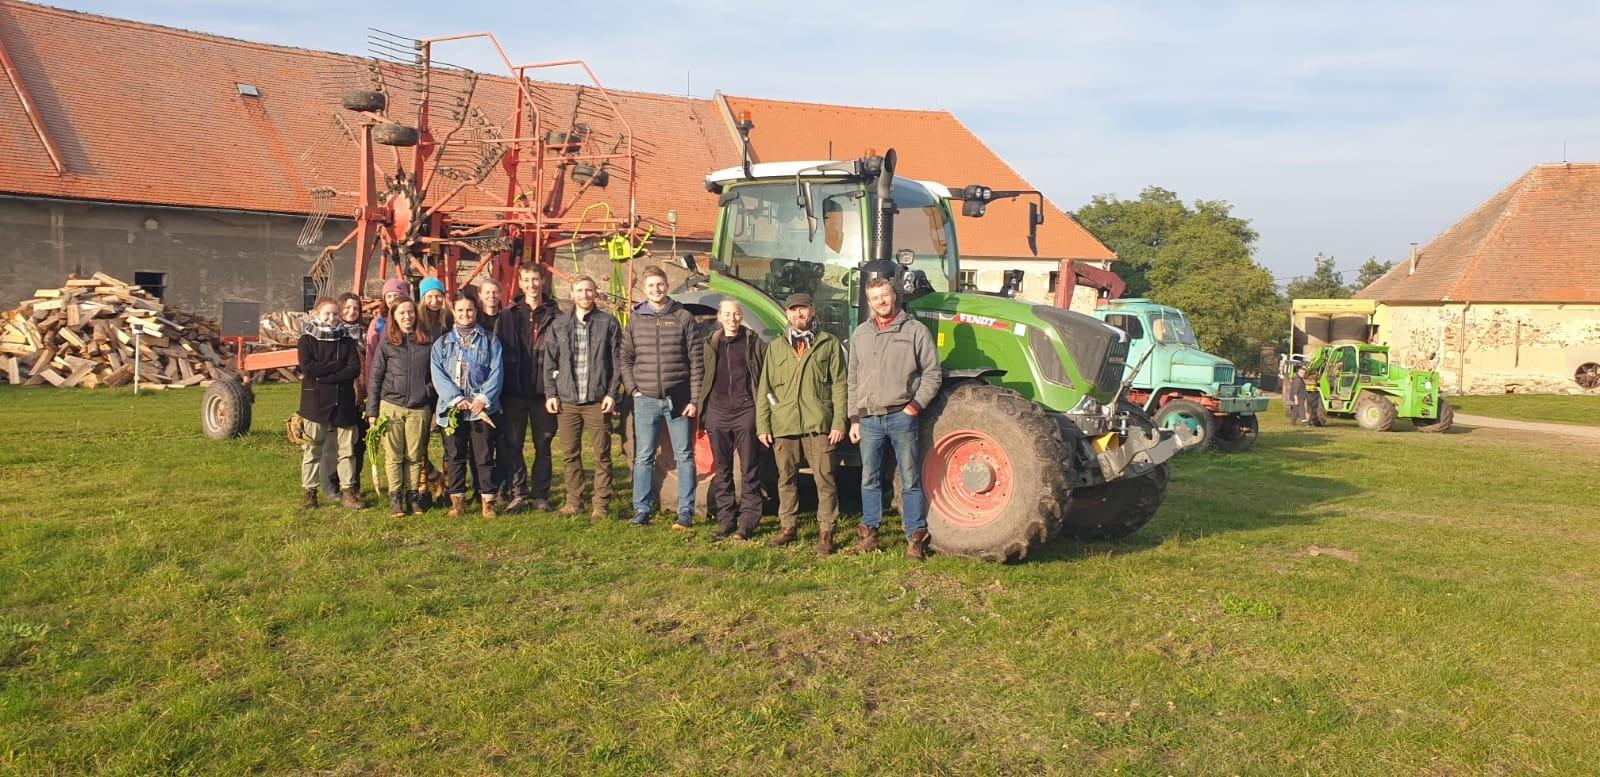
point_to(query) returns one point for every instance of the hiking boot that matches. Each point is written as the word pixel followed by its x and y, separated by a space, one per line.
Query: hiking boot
pixel 785 536
pixel 397 504
pixel 917 545
pixel 351 499
pixel 722 533
pixel 458 505
pixel 418 501
pixel 488 507
pixel 516 503
pixel 539 504
pixel 825 543
pixel 568 510
pixel 869 539
pixel 683 523
pixel 599 512
pixel 309 502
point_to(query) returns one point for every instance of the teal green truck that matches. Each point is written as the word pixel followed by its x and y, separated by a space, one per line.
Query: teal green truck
pixel 1179 384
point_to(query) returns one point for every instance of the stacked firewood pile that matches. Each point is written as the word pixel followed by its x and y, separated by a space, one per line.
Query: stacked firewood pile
pixel 94 331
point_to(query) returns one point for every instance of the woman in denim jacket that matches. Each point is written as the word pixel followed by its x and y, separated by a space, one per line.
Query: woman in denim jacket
pixel 467 374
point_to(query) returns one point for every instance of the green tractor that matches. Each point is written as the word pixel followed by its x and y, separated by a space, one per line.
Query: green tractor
pixel 1031 435
pixel 1356 380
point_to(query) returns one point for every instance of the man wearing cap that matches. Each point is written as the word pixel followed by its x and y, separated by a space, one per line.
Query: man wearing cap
pixel 800 414
pixel 733 356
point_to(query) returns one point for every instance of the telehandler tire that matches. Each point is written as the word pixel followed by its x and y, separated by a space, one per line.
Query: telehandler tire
pixel 994 473
pixel 1446 419
pixel 1117 509
pixel 1375 413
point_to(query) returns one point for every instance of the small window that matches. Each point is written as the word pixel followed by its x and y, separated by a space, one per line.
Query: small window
pixel 1129 324
pixel 154 283
pixel 969 280
pixel 308 293
pixel 1055 280
pixel 248 90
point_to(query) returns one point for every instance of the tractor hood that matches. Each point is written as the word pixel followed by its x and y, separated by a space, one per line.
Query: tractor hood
pixel 1192 365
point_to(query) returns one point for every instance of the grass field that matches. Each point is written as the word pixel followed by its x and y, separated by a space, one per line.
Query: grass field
pixel 1335 602
pixel 1572 409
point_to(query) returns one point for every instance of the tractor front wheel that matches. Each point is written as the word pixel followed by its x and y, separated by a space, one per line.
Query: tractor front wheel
pixel 1446 419
pixel 994 471
pixel 1121 507
pixel 1375 413
pixel 1237 433
pixel 225 409
pixel 1184 412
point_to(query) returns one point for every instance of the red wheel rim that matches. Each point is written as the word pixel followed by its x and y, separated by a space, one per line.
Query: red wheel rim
pixel 969 478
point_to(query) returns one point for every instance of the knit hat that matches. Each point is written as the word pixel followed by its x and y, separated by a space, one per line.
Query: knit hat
pixel 430 284
pixel 396 286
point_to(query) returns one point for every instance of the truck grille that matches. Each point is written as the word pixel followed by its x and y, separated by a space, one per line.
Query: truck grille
pixel 1224 374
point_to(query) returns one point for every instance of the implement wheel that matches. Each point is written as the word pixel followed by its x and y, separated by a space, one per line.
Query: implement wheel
pixel 1117 509
pixel 395 135
pixel 994 472
pixel 1446 419
pixel 1374 412
pixel 225 409
pixel 1200 421
pixel 364 100
pixel 1237 433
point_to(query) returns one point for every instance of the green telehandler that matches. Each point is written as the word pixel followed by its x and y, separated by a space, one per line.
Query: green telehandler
pixel 1357 381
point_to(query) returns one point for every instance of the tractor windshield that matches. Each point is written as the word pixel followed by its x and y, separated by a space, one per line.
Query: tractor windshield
pixel 1172 328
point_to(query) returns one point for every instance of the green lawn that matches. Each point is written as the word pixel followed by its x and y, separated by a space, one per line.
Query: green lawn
pixel 1335 602
pixel 1564 409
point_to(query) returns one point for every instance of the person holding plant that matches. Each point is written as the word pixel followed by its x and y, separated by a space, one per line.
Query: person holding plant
pixel 402 393
pixel 468 372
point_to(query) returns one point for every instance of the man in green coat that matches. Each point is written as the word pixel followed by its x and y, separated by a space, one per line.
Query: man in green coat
pixel 800 414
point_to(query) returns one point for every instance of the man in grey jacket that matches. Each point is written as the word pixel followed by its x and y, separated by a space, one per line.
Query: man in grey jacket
pixel 661 368
pixel 894 373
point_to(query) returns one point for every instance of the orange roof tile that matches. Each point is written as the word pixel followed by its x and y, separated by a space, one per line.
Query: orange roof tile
pixel 931 145
pixel 1536 240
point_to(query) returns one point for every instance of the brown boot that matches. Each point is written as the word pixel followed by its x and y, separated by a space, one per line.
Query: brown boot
pixel 917 545
pixel 458 505
pixel 310 500
pixel 488 507
pixel 786 536
pixel 869 539
pixel 825 543
pixel 351 499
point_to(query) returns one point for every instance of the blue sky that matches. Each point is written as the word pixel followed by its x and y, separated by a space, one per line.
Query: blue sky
pixel 1346 128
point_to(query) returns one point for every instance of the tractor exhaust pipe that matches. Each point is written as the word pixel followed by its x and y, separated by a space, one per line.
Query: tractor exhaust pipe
pixel 883 226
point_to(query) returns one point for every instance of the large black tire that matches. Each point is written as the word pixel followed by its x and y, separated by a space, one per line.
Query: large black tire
pixel 1193 415
pixel 1117 509
pixel 395 135
pixel 1374 412
pixel 1318 411
pixel 364 100
pixel 225 409
pixel 994 473
pixel 1237 433
pixel 1446 419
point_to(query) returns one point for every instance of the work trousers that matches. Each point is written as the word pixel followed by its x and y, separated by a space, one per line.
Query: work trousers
pixel 732 433
pixel 344 438
pixel 474 441
pixel 792 453
pixel 898 431
pixel 331 482
pixel 405 444
pixel 522 413
pixel 572 423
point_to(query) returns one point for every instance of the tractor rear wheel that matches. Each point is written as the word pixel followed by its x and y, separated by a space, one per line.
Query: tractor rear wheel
pixel 1374 412
pixel 994 471
pixel 1117 509
pixel 225 409
pixel 1184 412
pixel 1446 419
pixel 395 135
pixel 364 100
pixel 1238 433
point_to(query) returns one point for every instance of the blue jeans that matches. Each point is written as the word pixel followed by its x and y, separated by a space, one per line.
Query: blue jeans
pixel 900 431
pixel 648 412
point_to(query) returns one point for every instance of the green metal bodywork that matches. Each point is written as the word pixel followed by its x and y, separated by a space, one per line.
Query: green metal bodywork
pixel 1175 364
pixel 1341 373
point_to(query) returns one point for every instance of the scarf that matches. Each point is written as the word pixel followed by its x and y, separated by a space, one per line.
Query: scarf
pixel 311 326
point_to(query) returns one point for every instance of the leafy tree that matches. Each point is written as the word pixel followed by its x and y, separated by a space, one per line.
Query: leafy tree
pixel 1197 258
pixel 1323 283
pixel 1369 272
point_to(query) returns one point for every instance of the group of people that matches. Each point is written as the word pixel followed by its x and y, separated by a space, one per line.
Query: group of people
pixel 481 368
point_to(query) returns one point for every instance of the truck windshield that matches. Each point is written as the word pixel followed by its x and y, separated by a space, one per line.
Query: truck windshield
pixel 1171 328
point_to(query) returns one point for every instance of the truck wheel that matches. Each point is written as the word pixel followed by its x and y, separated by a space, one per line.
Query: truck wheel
pixel 364 100
pixel 1374 413
pixel 994 471
pixel 1238 433
pixel 1183 412
pixel 398 135
pixel 1446 419
pixel 1117 509
pixel 225 409
pixel 1318 411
